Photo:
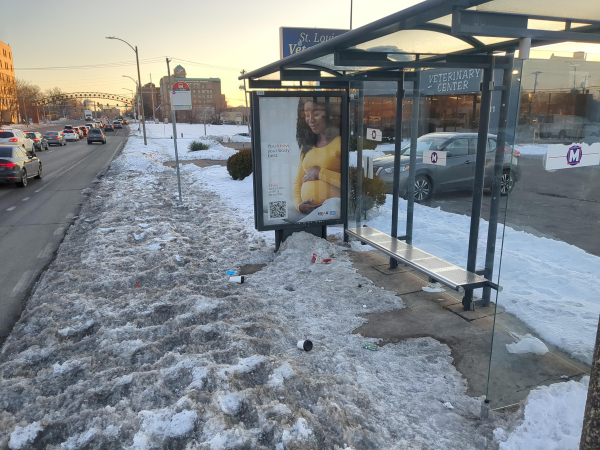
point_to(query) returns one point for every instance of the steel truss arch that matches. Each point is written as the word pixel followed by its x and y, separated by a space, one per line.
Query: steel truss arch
pixel 83 95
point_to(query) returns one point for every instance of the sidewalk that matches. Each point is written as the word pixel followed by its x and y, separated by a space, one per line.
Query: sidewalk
pixel 135 338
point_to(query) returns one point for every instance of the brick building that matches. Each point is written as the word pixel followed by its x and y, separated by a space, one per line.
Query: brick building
pixel 207 101
pixel 9 109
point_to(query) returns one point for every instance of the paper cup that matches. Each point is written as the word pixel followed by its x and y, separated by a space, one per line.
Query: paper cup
pixel 305 345
pixel 239 279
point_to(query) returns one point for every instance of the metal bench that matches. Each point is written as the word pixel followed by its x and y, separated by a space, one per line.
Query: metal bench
pixel 435 268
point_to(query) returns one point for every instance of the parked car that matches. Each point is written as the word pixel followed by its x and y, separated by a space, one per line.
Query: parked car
pixel 55 138
pixel 96 136
pixel 108 127
pixel 84 130
pixel 457 173
pixel 71 135
pixel 243 134
pixel 39 141
pixel 17 165
pixel 16 137
pixel 117 124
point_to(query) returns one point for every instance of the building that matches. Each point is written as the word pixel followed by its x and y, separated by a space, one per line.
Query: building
pixel 207 100
pixel 236 114
pixel 150 90
pixel 9 108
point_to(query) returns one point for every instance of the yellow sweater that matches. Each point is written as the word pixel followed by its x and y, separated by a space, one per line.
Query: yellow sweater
pixel 329 159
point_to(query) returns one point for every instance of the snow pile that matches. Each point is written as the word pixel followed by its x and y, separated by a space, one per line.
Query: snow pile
pixel 194 131
pixel 553 419
pixel 527 344
pixel 532 149
pixel 135 339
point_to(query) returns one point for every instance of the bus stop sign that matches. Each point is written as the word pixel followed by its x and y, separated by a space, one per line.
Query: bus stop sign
pixel 181 99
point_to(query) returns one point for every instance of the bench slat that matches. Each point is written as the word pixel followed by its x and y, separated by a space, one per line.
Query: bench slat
pixel 436 268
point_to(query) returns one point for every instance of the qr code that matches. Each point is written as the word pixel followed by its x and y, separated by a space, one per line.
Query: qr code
pixel 278 210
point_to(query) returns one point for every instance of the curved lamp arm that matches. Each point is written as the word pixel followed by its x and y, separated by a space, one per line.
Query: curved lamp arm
pixel 118 39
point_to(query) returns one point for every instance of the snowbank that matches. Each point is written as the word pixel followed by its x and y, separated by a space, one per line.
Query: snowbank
pixel 553 419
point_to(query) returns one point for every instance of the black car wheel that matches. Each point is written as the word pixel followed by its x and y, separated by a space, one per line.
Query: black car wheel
pixel 39 175
pixel 23 181
pixel 506 183
pixel 423 188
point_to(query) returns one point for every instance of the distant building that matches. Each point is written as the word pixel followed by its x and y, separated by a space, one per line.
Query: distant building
pixel 207 101
pixel 9 107
pixel 150 90
pixel 237 114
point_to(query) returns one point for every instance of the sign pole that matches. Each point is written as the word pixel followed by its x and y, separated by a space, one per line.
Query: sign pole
pixel 173 119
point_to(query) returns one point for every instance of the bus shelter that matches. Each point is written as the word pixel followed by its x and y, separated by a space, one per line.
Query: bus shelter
pixel 482 42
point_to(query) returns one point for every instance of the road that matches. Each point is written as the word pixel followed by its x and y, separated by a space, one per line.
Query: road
pixel 34 219
pixel 562 205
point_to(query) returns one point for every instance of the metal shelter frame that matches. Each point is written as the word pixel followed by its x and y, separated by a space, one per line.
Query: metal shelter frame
pixel 485 34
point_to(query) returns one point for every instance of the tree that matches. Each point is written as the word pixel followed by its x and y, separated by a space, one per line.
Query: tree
pixel 26 94
pixel 590 435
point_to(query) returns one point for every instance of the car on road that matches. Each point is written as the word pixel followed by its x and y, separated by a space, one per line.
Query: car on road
pixel 55 138
pixel 84 130
pixel 458 171
pixel 96 136
pixel 16 137
pixel 71 135
pixel 17 165
pixel 39 141
pixel 117 124
pixel 109 127
pixel 242 134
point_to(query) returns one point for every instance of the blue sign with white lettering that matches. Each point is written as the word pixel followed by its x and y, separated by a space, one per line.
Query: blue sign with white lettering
pixel 295 40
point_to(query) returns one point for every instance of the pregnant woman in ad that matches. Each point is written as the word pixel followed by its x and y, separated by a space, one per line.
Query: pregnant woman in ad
pixel 318 136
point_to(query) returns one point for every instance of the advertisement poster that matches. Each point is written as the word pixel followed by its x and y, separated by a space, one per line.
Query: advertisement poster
pixel 301 159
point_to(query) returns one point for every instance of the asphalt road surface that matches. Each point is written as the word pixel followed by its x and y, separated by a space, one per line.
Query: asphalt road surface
pixel 561 205
pixel 34 219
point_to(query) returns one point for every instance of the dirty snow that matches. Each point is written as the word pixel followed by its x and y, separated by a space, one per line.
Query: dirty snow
pixel 553 419
pixel 144 344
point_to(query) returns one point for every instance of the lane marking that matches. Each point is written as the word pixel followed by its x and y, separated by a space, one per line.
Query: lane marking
pixel 64 171
pixel 22 282
pixel 59 231
pixel 25 199
pixel 46 252
pixel 11 208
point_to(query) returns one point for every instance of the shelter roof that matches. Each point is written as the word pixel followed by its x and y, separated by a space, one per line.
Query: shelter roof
pixel 435 30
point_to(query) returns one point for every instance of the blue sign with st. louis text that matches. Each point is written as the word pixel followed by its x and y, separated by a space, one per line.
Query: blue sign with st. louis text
pixel 295 40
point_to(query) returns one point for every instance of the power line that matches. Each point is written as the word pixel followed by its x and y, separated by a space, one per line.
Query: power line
pixel 94 66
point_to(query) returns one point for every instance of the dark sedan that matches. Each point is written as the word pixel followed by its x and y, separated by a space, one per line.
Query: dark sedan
pixel 446 162
pixel 109 127
pixel 55 138
pixel 39 142
pixel 95 135
pixel 16 165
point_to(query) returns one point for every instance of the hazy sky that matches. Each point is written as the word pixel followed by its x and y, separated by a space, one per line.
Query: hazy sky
pixel 219 37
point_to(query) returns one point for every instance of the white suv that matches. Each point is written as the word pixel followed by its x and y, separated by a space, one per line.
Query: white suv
pixel 16 137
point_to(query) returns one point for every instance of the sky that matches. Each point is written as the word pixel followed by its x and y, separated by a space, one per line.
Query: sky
pixel 209 38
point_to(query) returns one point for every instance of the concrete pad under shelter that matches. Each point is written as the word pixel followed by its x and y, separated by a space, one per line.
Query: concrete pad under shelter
pixel 440 315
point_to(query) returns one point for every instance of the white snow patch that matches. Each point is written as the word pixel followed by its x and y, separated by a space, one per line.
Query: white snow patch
pixel 24 435
pixel 157 426
pixel 553 419
pixel 527 344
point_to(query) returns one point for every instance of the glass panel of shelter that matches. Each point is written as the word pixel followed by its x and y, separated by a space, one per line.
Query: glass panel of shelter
pixel 547 313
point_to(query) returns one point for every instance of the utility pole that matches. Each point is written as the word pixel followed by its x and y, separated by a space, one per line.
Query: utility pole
pixel 350 14
pixel 152 95
pixel 590 434
pixel 174 120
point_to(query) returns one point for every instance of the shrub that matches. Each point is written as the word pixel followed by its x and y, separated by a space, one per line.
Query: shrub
pixel 239 165
pixel 197 145
pixel 373 192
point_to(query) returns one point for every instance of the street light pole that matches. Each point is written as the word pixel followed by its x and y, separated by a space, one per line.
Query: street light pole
pixel 137 60
pixel 138 101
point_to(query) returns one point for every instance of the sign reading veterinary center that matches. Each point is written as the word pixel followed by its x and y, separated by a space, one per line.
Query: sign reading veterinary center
pixel 446 82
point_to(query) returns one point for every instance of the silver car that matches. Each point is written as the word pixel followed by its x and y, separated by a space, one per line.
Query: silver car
pixel 458 171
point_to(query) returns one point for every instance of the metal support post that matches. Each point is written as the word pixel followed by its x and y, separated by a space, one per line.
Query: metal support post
pixel 412 169
pixel 397 158
pixel 137 59
pixel 173 119
pixel 505 106
pixel 359 148
pixel 482 142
